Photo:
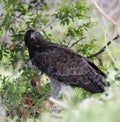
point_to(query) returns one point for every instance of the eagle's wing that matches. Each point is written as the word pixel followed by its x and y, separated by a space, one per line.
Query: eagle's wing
pixel 66 66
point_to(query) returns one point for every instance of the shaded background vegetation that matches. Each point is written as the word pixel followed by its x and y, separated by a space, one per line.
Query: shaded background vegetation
pixel 66 22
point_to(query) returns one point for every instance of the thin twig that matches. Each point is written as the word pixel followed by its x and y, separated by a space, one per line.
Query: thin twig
pixel 63 40
pixel 71 37
pixel 104 14
pixel 77 41
pixel 49 24
pixel 103 49
pixel 70 41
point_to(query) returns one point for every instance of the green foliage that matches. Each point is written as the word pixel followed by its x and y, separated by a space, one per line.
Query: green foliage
pixel 72 23
pixel 15 91
pixel 67 12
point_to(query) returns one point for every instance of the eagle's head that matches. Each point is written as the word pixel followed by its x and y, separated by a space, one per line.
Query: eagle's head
pixel 33 38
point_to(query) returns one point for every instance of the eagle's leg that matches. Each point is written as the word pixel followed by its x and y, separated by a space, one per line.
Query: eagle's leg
pixel 59 89
pixel 55 88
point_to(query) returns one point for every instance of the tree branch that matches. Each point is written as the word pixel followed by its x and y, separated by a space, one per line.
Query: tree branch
pixel 79 27
pixel 103 49
pixel 49 24
pixel 104 14
pixel 77 41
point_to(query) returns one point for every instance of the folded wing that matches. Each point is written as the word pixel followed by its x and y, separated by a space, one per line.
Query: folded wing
pixel 64 65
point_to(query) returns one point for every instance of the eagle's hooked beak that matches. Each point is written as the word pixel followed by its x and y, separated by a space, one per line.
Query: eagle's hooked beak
pixel 32 37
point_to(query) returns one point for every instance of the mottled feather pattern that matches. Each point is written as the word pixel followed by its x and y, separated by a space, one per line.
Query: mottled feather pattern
pixel 64 65
pixel 68 67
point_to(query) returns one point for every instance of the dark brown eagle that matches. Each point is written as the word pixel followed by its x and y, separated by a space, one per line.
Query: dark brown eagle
pixel 65 68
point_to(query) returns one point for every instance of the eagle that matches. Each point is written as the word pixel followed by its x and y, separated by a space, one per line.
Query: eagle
pixel 65 68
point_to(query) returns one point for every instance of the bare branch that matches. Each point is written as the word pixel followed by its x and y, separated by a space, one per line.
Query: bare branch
pixel 103 49
pixel 104 14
